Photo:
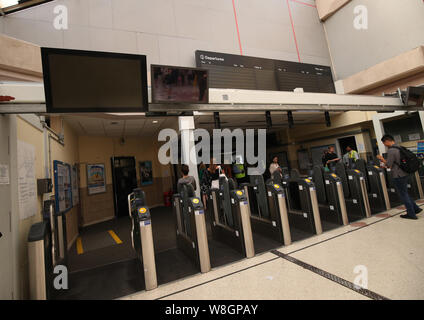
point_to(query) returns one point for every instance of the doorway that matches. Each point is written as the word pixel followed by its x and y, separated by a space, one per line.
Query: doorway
pixel 347 142
pixel 124 177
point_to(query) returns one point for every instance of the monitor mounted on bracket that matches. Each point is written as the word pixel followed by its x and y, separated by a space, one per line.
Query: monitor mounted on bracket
pixel 178 85
pixel 78 81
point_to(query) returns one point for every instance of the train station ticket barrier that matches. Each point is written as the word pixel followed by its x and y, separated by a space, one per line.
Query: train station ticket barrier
pixel 332 204
pixel 191 226
pixel 268 209
pixel 376 186
pixel 229 215
pixel 40 261
pixel 355 192
pixel 142 237
pixel 302 204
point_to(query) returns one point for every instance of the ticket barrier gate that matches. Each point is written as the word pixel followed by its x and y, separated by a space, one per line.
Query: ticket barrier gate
pixel 332 205
pixel 302 204
pixel 415 188
pixel 142 237
pixel 229 216
pixel 376 186
pixel 355 192
pixel 40 261
pixel 191 226
pixel 57 225
pixel 268 209
pixel 47 247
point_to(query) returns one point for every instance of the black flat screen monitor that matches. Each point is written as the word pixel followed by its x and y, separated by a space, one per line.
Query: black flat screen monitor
pixel 179 85
pixel 89 81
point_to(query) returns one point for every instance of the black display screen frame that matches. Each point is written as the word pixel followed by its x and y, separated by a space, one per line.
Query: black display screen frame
pixel 155 101
pixel 46 52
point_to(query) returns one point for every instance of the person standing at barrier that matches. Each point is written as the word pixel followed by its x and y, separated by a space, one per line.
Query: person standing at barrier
pixel 330 158
pixel 239 170
pixel 186 179
pixel 210 179
pixel 202 169
pixel 274 166
pixel 352 154
pixel 400 177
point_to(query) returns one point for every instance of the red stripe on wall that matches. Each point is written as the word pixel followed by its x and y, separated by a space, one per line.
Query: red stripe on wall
pixel 306 4
pixel 294 32
pixel 237 27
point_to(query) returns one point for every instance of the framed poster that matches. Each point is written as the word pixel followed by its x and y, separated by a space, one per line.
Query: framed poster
pixel 96 179
pixel 62 186
pixel 75 186
pixel 146 173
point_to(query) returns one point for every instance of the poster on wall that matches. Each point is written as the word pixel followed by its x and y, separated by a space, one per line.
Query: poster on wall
pixel 420 149
pixel 27 187
pixel 96 179
pixel 146 173
pixel 75 192
pixel 63 186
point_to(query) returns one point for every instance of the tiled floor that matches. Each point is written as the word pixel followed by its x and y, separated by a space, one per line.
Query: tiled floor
pixel 390 248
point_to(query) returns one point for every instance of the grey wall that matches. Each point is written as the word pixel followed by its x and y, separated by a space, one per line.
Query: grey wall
pixel 394 27
pixel 169 31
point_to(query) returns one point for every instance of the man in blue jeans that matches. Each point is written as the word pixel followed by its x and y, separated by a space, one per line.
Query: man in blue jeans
pixel 400 177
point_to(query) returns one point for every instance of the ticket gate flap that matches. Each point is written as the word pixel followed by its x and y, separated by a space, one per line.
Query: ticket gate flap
pixel 315 210
pixel 383 183
pixel 148 253
pixel 247 227
pixel 282 206
pixel 202 239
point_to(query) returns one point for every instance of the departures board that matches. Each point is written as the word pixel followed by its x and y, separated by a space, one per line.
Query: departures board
pixel 230 71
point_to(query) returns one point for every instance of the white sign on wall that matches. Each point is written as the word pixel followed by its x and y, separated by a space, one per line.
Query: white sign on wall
pixel 27 186
pixel 4 174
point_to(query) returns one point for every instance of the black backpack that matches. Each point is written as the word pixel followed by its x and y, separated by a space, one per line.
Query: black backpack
pixel 408 160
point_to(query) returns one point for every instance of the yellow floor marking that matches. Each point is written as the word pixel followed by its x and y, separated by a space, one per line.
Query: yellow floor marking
pixel 80 250
pixel 115 237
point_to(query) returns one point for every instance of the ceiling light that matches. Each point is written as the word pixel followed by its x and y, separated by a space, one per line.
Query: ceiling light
pixel 155 121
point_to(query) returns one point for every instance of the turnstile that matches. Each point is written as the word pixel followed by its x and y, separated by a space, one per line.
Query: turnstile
pixel 142 236
pixel 302 205
pixel 229 216
pixel 191 226
pixel 40 261
pixel 332 205
pixel 415 188
pixel 355 192
pixel 268 209
pixel 376 186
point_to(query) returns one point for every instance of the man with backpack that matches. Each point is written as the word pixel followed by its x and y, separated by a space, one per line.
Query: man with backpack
pixel 402 162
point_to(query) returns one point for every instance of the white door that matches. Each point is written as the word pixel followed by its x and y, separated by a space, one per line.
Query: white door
pixel 6 275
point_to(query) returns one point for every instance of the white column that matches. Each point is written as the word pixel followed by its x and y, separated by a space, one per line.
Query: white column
pixel 379 132
pixel 188 155
pixel 421 113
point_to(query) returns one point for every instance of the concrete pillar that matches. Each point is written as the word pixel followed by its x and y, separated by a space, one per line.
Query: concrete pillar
pixel 421 114
pixel 188 155
pixel 379 132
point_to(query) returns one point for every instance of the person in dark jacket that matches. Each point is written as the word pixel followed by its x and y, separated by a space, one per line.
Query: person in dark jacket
pixel 400 177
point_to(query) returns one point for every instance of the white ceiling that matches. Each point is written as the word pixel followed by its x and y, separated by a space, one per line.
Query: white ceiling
pixel 138 125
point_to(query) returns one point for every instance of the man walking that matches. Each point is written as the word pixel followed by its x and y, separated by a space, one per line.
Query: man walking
pixel 400 177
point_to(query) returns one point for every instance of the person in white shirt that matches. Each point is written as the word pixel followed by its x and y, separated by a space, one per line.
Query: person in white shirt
pixel 274 166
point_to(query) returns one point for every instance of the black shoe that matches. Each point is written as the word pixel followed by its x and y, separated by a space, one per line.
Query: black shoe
pixel 405 216
pixel 418 211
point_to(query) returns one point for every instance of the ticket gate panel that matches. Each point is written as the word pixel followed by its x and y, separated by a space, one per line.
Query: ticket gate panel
pixel 302 205
pixel 341 173
pixel 234 236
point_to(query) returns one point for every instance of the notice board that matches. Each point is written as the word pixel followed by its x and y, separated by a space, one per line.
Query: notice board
pixel 62 186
